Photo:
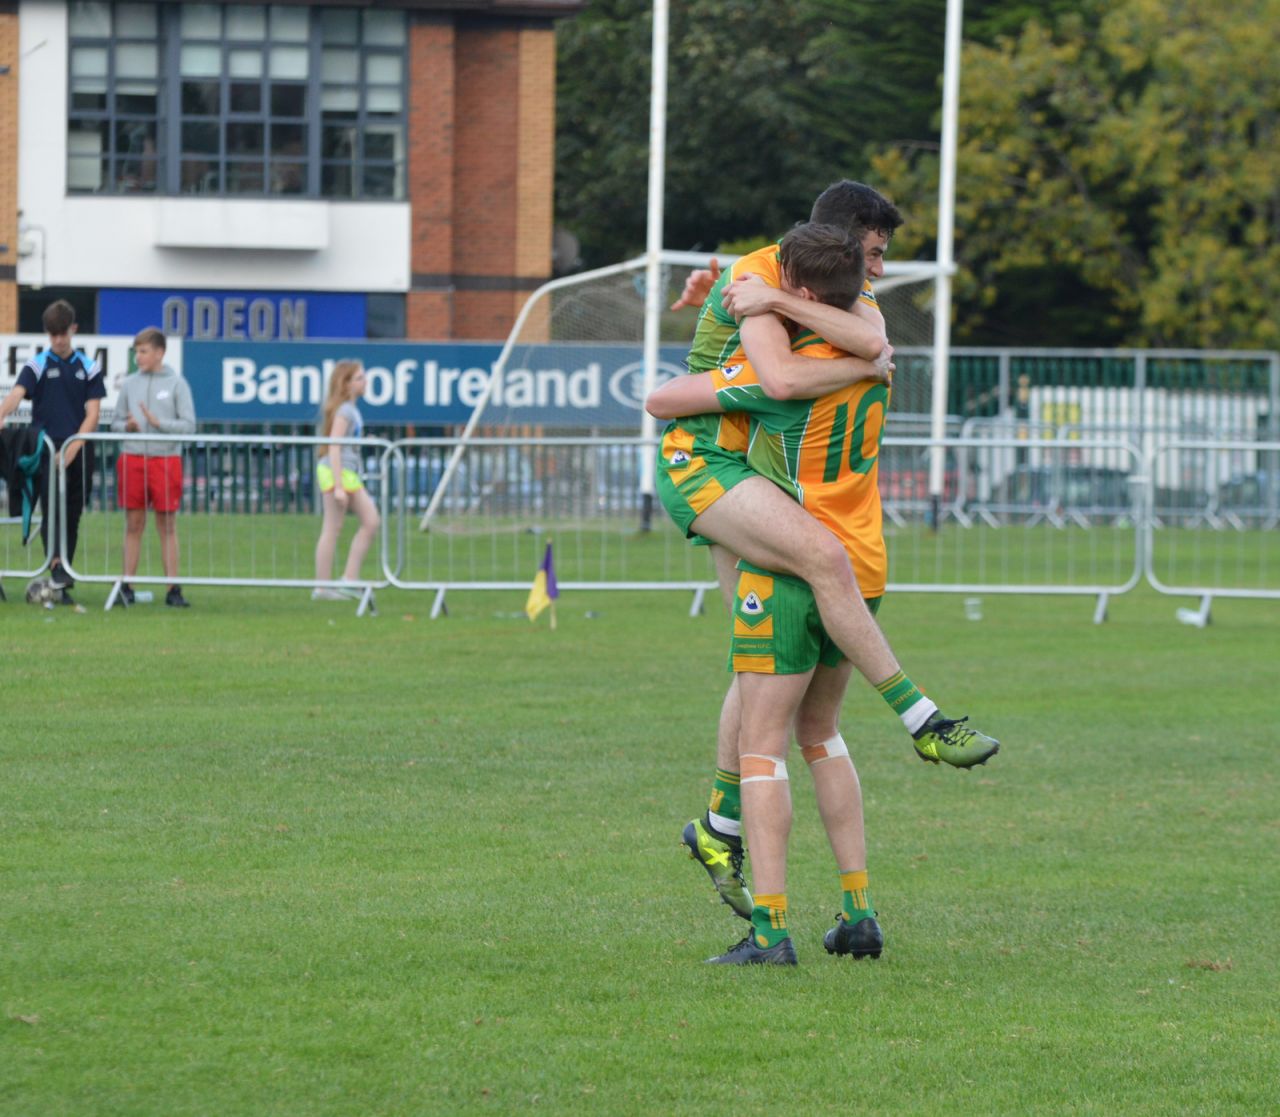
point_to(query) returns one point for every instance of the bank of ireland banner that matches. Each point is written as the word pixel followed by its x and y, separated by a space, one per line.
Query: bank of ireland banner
pixel 429 384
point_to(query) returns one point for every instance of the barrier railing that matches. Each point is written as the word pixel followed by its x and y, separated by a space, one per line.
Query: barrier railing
pixel 229 481
pixel 503 500
pixel 1241 559
pixel 1055 528
pixel 11 566
pixel 1073 515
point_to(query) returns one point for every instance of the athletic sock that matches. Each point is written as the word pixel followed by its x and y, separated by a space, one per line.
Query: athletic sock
pixel 726 794
pixel 730 829
pixel 769 920
pixel 857 900
pixel 906 700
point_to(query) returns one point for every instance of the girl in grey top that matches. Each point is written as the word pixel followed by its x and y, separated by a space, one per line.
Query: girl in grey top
pixel 341 485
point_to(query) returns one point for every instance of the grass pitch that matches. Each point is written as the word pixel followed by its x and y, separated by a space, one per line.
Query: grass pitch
pixel 262 857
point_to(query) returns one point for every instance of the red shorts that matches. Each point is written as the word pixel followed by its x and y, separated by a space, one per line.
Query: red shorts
pixel 149 482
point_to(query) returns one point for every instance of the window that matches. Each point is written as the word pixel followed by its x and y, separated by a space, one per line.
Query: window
pixel 237 99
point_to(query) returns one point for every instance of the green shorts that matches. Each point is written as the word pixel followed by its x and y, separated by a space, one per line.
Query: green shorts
pixel 693 474
pixel 350 478
pixel 776 627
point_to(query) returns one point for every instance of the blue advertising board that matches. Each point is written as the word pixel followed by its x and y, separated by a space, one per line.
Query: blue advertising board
pixel 430 384
pixel 262 316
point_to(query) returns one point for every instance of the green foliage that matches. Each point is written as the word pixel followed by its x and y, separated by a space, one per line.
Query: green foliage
pixel 1117 162
pixel 874 73
pixel 739 160
pixel 1136 159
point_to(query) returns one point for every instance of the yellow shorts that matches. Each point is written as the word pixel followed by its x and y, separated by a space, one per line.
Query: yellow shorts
pixel 351 481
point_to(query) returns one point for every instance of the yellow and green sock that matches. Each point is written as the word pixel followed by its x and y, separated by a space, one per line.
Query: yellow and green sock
pixel 907 701
pixel 857 899
pixel 724 812
pixel 769 920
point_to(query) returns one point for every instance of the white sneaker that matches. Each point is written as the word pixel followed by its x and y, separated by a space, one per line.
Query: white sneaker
pixel 327 595
pixel 352 590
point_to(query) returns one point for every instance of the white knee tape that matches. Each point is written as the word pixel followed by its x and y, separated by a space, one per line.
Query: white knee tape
pixel 756 768
pixel 835 746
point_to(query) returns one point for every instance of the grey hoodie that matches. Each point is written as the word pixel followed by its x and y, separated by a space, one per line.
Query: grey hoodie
pixel 168 397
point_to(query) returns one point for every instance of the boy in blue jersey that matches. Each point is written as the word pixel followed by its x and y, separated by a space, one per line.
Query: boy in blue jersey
pixel 66 389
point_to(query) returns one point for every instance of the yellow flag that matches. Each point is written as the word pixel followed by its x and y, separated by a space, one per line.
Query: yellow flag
pixel 544 589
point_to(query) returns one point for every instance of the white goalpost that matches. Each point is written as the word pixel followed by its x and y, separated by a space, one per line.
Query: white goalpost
pixel 625 302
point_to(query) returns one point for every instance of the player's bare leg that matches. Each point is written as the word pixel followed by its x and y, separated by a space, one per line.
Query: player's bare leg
pixel 758 521
pixel 726 564
pixel 835 780
pixel 769 704
pixel 715 839
pixel 839 794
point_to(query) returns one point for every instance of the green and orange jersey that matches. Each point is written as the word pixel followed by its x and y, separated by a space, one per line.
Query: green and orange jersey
pixel 717 342
pixel 824 452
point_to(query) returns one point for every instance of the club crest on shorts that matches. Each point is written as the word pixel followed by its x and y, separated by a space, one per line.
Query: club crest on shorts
pixel 752 605
pixel 679 457
pixel 729 372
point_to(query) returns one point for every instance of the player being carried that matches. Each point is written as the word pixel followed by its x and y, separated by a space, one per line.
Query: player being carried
pixel 714 494
pixel 824 453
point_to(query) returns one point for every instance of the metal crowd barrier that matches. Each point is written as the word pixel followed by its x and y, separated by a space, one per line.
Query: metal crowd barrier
pixel 11 532
pixel 508 496
pixel 228 481
pixel 1025 512
pixel 1053 528
pixel 1238 485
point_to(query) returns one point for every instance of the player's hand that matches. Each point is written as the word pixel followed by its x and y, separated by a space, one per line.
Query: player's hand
pixel 340 495
pixel 885 367
pixel 698 286
pixel 131 424
pixel 748 296
pixel 69 454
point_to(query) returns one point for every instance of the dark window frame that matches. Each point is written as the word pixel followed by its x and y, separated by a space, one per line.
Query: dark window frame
pixel 307 172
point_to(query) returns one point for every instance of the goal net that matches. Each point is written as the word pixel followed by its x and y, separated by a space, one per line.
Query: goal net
pixel 526 466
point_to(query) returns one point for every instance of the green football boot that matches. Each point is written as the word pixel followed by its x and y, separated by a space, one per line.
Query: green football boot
pixel 722 858
pixel 747 953
pixel 953 742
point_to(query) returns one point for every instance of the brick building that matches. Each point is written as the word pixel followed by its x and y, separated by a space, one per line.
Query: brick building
pixel 334 168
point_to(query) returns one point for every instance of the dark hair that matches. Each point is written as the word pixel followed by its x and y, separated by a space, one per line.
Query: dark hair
pixel 151 336
pixel 58 318
pixel 827 260
pixel 856 207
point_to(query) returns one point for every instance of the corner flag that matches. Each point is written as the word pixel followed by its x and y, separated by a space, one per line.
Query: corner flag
pixel 544 590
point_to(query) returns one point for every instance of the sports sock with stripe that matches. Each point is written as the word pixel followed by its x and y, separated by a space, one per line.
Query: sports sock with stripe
pixel 857 899
pixel 907 701
pixel 724 812
pixel 769 920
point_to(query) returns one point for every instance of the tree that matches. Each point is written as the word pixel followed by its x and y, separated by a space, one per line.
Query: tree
pixel 767 104
pixel 1129 165
pixel 739 161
